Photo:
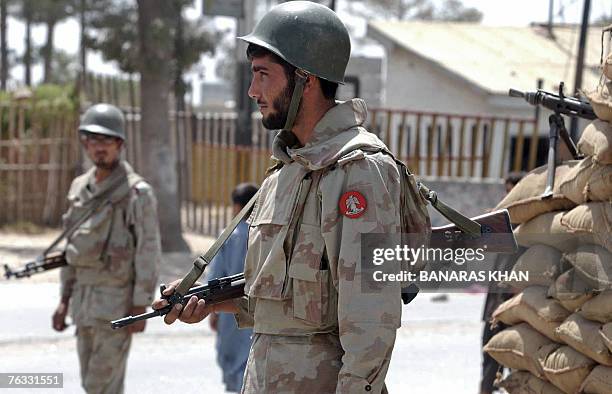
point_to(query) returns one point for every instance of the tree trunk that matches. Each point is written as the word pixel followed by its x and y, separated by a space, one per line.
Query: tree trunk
pixel 159 161
pixel 48 50
pixel 27 55
pixel 3 46
pixel 83 51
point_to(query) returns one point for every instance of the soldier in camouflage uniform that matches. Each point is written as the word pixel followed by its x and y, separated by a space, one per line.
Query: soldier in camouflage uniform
pixel 112 257
pixel 315 328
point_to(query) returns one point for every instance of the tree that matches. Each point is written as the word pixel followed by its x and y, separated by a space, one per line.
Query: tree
pixel 191 39
pixel 153 38
pixel 450 10
pixel 24 11
pixel 3 45
pixel 114 32
pixel 50 13
pixel 155 22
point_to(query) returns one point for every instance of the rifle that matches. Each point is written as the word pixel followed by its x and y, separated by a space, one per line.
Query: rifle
pixel 217 290
pixel 41 264
pixel 559 104
pixel 496 233
pixel 47 260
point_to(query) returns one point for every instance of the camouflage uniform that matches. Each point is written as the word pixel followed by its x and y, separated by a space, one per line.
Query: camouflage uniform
pixel 316 331
pixel 113 260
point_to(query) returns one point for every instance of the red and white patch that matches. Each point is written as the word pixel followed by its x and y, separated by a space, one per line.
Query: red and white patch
pixel 352 204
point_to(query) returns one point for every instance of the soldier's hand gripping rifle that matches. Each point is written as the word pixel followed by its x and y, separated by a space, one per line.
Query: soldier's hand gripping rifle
pixel 45 263
pixel 217 290
pixel 560 105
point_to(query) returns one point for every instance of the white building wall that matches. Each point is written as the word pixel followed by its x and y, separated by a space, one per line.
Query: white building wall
pixel 414 83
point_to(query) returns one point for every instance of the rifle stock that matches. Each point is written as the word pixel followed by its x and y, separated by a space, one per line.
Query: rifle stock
pixel 48 262
pixel 496 234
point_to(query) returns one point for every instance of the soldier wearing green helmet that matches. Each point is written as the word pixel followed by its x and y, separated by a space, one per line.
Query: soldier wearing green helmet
pixel 103 119
pixel 319 323
pixel 113 255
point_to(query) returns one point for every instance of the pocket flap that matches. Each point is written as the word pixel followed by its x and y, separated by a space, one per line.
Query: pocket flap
pixel 307 254
pixel 303 272
pixel 108 303
pixel 277 196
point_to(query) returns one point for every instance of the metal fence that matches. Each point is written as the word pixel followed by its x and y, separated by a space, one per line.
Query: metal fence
pixel 39 157
pixel 454 145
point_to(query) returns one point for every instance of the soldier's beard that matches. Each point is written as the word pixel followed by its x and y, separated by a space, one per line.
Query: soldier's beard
pixel 277 119
pixel 101 164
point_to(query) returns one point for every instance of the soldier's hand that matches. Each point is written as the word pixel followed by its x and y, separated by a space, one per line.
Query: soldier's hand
pixel 59 317
pixel 138 326
pixel 176 311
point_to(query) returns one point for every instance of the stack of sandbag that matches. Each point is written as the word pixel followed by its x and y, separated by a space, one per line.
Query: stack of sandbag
pixel 559 338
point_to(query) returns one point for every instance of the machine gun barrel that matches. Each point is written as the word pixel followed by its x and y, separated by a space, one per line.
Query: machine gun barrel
pixel 560 104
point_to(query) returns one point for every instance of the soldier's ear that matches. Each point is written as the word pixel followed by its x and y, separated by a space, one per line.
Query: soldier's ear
pixel 312 82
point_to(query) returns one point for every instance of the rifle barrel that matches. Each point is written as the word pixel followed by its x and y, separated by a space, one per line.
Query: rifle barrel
pixel 515 93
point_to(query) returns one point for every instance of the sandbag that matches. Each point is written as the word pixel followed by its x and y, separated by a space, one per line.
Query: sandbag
pixel 546 229
pixel 599 381
pixel 598 308
pixel 567 368
pixel 594 264
pixel 596 141
pixel 606 334
pixel 583 335
pixel 524 201
pixel 575 183
pixel 607 66
pixel 570 290
pixel 522 382
pixel 532 306
pixel 520 347
pixel 543 263
pixel 599 187
pixel 592 218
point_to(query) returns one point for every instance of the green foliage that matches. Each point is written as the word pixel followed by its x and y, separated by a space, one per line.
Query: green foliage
pixel 46 105
pixel 114 32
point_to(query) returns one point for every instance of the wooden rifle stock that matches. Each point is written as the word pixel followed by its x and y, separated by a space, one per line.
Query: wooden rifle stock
pixel 49 262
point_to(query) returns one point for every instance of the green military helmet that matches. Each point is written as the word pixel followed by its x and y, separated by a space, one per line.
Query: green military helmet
pixel 307 35
pixel 103 119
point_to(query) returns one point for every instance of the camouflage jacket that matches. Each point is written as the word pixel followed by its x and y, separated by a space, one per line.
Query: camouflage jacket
pixel 114 255
pixel 303 271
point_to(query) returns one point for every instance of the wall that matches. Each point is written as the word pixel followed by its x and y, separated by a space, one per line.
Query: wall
pixel 469 197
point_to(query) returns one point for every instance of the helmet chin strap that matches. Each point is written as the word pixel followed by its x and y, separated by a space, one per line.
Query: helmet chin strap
pixel 296 97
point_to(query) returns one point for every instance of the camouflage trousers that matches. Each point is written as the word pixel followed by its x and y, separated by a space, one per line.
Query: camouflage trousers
pixel 103 354
pixel 293 364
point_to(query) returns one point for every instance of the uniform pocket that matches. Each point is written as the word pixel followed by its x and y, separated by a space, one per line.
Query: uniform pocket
pixel 109 303
pixel 309 275
pixel 85 247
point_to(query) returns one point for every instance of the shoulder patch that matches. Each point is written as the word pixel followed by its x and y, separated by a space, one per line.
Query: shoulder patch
pixel 352 204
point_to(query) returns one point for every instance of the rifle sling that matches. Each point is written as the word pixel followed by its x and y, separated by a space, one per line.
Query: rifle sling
pixel 464 223
pixel 202 261
pixel 97 203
